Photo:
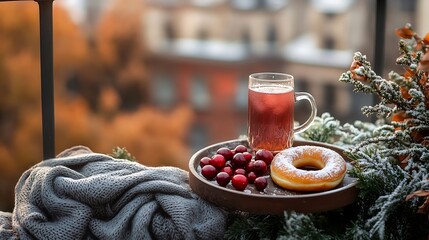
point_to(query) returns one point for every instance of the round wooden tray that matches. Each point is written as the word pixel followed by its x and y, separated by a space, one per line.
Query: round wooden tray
pixel 273 200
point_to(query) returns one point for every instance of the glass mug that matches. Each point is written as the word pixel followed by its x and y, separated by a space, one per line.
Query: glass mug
pixel 271 99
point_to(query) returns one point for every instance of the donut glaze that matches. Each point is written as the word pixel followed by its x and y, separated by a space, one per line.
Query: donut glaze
pixel 286 172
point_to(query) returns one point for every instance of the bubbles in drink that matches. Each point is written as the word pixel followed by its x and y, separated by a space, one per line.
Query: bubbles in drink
pixel 272 89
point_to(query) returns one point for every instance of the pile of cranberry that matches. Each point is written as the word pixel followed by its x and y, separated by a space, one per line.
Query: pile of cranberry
pixel 237 166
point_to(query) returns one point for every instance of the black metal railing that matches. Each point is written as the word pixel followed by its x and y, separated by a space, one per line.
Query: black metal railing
pixel 380 28
pixel 46 65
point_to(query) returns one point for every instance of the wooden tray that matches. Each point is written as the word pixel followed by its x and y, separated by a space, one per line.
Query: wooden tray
pixel 274 200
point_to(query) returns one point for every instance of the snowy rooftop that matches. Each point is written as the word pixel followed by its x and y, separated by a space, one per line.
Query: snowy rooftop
pixel 301 50
pixel 209 49
pixel 304 50
pixel 332 6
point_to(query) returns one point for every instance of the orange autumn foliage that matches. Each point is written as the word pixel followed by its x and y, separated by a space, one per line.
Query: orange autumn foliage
pixel 100 94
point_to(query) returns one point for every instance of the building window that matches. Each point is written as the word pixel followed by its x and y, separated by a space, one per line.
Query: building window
pixel 275 4
pixel 408 5
pixel 205 3
pixel 200 94
pixel 271 35
pixel 245 39
pixel 203 35
pixel 164 90
pixel 169 31
pixel 330 16
pixel 241 94
pixel 330 99
pixel 245 4
pixel 302 85
pixel 198 137
pixel 329 43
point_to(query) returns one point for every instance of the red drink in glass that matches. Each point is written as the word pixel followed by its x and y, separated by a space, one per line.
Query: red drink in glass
pixel 271 117
pixel 271 106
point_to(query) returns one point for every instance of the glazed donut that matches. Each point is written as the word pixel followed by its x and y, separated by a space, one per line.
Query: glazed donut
pixel 286 172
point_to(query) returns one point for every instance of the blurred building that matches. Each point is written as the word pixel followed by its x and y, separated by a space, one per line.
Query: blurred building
pixel 202 51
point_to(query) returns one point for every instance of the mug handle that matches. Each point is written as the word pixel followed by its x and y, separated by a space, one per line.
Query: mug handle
pixel 306 96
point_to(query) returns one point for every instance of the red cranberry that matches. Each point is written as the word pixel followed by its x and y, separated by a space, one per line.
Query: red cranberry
pixel 264 155
pixel 209 172
pixel 251 176
pixel 218 161
pixel 260 183
pixel 228 170
pixel 204 161
pixel 247 156
pixel 249 166
pixel 260 167
pixel 223 179
pixel 240 171
pixel 238 161
pixel 226 152
pixel 240 149
pixel 239 182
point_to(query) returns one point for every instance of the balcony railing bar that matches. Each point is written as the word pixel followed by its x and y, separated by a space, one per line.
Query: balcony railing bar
pixel 380 28
pixel 47 78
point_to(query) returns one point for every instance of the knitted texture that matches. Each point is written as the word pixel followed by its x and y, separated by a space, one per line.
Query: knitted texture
pixel 85 195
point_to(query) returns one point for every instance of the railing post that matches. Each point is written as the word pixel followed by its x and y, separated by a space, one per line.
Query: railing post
pixel 380 28
pixel 47 78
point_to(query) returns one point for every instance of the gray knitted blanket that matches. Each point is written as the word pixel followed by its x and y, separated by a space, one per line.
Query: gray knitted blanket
pixel 85 195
